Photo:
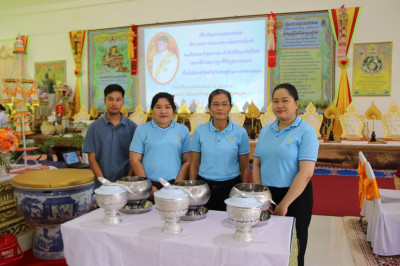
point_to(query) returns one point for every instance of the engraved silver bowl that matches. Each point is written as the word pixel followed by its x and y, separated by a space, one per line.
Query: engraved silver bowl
pixel 171 208
pixel 111 203
pixel 244 217
pixel 201 194
pixel 140 186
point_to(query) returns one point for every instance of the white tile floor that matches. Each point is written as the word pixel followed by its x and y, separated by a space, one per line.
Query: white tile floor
pixel 327 243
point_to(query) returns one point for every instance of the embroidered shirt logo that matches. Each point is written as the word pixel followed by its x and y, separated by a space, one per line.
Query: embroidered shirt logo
pixel 178 138
pixel 230 139
pixel 289 139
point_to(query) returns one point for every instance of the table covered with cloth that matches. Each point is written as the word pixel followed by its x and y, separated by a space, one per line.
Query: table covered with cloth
pixel 138 240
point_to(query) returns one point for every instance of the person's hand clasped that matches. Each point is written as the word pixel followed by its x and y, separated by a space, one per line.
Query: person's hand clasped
pixel 280 210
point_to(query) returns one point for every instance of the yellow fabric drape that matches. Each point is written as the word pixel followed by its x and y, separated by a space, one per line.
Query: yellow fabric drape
pixel 361 182
pixel 77 39
pixel 343 101
pixel 371 189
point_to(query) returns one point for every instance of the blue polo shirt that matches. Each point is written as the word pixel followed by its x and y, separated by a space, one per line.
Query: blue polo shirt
pixel 220 151
pixel 111 145
pixel 281 151
pixel 161 148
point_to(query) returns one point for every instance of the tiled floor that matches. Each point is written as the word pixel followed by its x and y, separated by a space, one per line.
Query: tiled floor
pixel 327 243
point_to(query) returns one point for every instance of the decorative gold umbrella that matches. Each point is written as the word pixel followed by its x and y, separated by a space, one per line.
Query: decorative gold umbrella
pixel 332 112
pixel 373 113
pixel 252 112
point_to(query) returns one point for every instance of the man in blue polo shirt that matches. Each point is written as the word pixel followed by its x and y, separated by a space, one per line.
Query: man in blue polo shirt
pixel 107 140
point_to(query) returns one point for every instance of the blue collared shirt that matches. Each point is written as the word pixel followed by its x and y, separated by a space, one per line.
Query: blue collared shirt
pixel 161 148
pixel 220 151
pixel 281 151
pixel 111 145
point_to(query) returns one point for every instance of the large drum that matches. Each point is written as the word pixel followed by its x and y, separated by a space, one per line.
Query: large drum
pixel 49 198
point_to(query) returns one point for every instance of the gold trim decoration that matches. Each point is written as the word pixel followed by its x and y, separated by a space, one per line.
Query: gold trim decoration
pixel 197 119
pixel 267 117
pixel 138 116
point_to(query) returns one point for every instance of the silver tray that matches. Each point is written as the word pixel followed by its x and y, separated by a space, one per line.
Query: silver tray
pixel 133 208
pixel 195 214
pixel 264 218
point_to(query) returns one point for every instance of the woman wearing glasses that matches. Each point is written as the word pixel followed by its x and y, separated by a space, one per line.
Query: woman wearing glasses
pixel 220 151
pixel 284 160
pixel 161 140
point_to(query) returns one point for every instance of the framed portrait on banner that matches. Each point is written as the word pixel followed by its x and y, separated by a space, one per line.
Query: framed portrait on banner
pixel 109 64
pixel 372 69
pixel 53 70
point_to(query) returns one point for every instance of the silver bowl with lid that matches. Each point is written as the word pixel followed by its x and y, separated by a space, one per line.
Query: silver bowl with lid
pixel 261 193
pixel 111 199
pixel 171 204
pixel 244 212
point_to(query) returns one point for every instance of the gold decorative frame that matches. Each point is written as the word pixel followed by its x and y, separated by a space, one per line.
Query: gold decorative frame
pixel 392 114
pixel 313 118
pixel 267 117
pixel 351 113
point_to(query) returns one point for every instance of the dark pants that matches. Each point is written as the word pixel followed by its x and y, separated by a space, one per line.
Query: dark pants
pixel 301 209
pixel 219 192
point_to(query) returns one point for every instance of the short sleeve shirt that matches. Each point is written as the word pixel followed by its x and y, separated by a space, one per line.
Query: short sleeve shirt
pixel 220 151
pixel 281 151
pixel 161 148
pixel 111 145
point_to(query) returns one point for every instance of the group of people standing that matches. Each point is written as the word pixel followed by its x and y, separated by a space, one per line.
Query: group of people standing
pixel 218 152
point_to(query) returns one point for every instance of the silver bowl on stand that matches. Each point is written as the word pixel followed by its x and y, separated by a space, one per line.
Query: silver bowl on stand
pixel 111 199
pixel 261 193
pixel 244 213
pixel 137 201
pixel 171 204
pixel 201 194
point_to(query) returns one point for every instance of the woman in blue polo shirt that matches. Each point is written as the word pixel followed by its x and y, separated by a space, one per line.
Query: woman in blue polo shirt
pixel 220 151
pixel 284 160
pixel 161 147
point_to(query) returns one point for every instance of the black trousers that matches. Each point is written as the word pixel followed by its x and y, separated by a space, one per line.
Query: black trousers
pixel 219 192
pixel 301 209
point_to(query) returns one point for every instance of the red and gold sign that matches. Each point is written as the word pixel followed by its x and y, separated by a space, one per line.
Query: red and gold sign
pixel 271 38
pixel 132 48
pixel 59 109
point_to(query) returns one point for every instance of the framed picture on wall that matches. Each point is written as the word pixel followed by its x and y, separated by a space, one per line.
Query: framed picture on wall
pixel 372 69
pixel 109 64
pixel 50 70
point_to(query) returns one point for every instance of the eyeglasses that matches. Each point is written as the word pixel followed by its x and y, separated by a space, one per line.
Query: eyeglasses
pixel 224 104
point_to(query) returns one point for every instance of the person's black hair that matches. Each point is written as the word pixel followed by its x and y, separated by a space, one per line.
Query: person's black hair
pixel 290 89
pixel 219 91
pixel 2 108
pixel 165 95
pixel 113 87
pixel 163 38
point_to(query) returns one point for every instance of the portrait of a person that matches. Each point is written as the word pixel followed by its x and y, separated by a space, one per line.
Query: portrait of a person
pixel 165 61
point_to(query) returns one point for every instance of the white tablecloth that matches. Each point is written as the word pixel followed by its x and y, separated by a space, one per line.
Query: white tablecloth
pixel 138 240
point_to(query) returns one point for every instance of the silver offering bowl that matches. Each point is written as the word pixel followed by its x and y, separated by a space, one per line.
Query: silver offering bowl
pixel 141 188
pixel 201 194
pixel 111 203
pixel 244 219
pixel 260 192
pixel 171 207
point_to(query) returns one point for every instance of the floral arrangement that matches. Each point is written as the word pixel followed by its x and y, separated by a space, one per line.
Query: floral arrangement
pixel 8 143
pixel 63 92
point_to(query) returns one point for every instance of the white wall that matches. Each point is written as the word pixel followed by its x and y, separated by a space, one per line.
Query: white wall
pixel 48 27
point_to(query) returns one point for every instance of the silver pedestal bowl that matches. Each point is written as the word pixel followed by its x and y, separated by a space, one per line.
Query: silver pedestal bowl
pixel 244 213
pixel 261 193
pixel 137 201
pixel 171 204
pixel 201 194
pixel 111 199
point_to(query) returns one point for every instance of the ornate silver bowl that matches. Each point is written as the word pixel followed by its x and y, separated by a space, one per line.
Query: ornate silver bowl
pixel 171 204
pixel 244 213
pixel 260 192
pixel 141 188
pixel 111 202
pixel 201 194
